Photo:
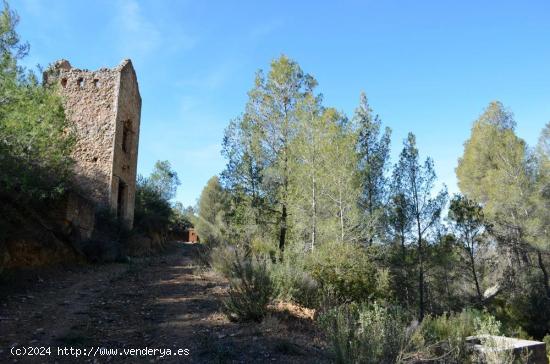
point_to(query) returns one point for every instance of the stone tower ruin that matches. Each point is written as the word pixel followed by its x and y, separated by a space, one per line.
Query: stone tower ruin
pixel 104 106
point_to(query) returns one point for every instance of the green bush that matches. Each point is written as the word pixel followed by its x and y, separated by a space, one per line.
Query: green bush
pixel 222 257
pixel 446 333
pixel 372 333
pixel 527 305
pixel 180 221
pixel 250 289
pixel 546 340
pixel 445 336
pixel 366 333
pixel 346 270
pixel 293 283
pixel 152 211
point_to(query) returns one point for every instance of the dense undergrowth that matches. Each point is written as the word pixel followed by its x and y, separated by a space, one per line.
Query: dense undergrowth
pixel 361 321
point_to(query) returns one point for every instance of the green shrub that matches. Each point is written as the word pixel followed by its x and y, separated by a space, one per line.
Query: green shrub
pixel 263 247
pixel 346 270
pixel 293 283
pixel 180 221
pixel 446 334
pixel 546 339
pixel 366 333
pixel 250 289
pixel 221 259
pixel 527 305
pixel 372 333
pixel 152 211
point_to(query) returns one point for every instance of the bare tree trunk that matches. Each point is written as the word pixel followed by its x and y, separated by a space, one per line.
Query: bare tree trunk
pixel 314 217
pixel 341 213
pixel 341 223
pixel 282 235
pixel 403 246
pixel 472 262
pixel 544 273
pixel 420 273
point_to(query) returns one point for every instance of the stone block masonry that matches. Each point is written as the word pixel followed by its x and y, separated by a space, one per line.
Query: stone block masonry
pixel 104 107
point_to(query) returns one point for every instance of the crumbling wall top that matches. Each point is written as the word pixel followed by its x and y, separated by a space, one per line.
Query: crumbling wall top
pixel 62 64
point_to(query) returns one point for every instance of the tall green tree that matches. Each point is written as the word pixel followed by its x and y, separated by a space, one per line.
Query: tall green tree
pixel 35 140
pixel 417 183
pixel 538 226
pixel 261 139
pixel 243 179
pixel 12 48
pixel 493 171
pixel 164 179
pixel 373 147
pixel 496 170
pixel 468 222
pixel 214 204
pixel 343 188
pixel 399 220
pixel 308 156
pixel 399 214
pixel 324 184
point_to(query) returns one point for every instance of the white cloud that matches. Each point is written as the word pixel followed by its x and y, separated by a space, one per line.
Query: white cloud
pixel 137 35
pixel 140 36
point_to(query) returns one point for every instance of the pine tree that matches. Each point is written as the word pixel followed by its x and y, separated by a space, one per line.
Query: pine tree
pixel 164 179
pixel 373 149
pixel 213 207
pixel 308 156
pixel 260 140
pixel 468 222
pixel 417 185
pixel 495 172
pixel 343 188
pixel 35 139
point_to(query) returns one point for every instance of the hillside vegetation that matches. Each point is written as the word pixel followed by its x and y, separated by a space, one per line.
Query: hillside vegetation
pixel 311 209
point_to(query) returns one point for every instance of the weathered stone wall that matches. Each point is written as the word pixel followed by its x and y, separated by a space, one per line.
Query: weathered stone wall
pixel 80 215
pixel 104 107
pixel 90 106
pixel 125 151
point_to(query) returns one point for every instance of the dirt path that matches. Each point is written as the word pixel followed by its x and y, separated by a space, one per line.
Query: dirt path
pixel 163 302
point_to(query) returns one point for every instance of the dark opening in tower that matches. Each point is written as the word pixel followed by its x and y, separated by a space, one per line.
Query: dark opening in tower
pixel 122 198
pixel 126 136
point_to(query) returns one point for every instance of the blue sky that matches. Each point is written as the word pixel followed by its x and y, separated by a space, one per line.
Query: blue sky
pixel 429 67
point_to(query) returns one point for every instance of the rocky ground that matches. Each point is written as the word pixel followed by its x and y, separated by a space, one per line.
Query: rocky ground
pixel 163 302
